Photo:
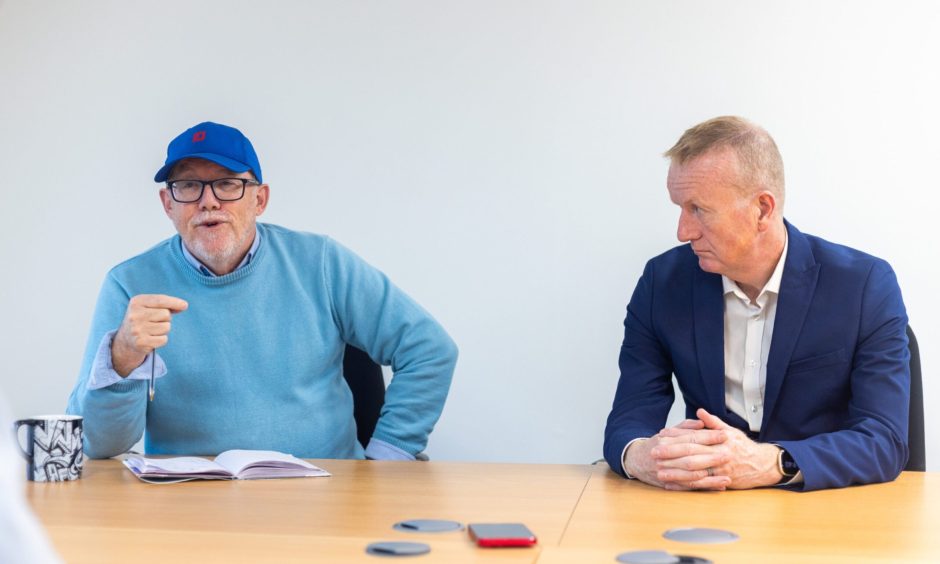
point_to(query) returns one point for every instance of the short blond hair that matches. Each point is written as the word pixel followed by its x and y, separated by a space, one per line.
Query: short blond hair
pixel 759 160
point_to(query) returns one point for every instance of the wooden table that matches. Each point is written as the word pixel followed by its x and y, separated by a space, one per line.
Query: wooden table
pixel 110 516
pixel 580 514
pixel 894 522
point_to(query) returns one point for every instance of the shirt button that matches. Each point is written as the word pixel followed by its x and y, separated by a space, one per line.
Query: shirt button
pixel 753 409
pixel 753 363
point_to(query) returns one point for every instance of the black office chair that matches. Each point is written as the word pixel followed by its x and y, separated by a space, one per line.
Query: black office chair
pixel 916 441
pixel 367 384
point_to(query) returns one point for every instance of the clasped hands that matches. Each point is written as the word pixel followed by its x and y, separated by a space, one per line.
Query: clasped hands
pixel 703 454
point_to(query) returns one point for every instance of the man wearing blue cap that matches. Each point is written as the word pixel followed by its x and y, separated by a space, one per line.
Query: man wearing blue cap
pixel 265 313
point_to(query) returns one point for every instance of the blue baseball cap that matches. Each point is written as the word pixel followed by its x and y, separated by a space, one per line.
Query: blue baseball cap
pixel 221 144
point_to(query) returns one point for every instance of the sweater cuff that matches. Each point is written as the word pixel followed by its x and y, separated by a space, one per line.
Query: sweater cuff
pixel 381 450
pixel 102 371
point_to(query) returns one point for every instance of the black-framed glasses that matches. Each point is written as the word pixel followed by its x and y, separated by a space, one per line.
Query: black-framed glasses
pixel 224 189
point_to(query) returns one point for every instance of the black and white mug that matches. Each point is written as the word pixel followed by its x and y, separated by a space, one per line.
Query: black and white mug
pixel 53 447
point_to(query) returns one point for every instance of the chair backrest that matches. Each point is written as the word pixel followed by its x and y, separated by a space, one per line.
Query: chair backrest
pixel 916 441
pixel 367 384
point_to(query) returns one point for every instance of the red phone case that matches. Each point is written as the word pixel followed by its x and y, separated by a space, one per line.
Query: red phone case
pixel 507 542
pixel 525 537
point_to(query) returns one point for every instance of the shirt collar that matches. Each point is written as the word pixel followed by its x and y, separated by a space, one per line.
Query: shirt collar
pixel 772 285
pixel 205 271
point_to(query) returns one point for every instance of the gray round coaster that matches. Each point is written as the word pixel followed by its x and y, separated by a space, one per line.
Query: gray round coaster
pixel 700 535
pixel 397 548
pixel 648 557
pixel 427 526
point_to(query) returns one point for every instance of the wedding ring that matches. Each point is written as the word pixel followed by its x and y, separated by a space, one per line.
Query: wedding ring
pixel 711 471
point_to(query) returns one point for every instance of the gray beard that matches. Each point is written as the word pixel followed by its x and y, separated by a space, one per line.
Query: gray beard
pixel 228 255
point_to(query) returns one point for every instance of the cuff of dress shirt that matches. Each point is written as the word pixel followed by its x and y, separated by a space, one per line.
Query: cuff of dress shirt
pixel 381 450
pixel 102 371
pixel 795 480
pixel 623 458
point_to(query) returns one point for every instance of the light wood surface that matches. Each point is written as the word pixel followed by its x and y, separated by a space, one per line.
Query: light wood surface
pixel 79 545
pixel 334 518
pixel 580 514
pixel 894 522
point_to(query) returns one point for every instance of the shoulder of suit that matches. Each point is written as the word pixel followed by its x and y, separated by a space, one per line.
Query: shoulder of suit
pixel 837 255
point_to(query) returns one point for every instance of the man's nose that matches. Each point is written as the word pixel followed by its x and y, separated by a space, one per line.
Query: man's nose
pixel 688 228
pixel 208 201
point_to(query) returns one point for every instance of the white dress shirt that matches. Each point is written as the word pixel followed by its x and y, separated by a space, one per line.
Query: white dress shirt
pixel 749 329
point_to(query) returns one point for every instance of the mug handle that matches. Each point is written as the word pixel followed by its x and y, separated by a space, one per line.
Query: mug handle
pixel 16 431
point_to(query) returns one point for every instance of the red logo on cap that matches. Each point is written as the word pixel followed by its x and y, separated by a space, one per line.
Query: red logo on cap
pixel 199 136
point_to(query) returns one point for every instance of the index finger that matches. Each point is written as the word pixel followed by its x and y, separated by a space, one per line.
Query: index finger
pixel 690 424
pixel 162 301
pixel 703 437
pixel 690 456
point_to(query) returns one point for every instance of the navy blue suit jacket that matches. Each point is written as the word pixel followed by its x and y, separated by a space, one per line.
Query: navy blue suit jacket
pixel 838 377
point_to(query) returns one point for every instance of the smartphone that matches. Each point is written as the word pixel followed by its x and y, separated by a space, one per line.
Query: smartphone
pixel 501 534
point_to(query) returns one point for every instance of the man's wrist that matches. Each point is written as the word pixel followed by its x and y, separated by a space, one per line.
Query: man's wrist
pixel 770 474
pixel 119 358
pixel 630 472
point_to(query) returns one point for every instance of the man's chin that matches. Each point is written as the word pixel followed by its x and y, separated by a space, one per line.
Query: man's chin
pixel 212 252
pixel 709 265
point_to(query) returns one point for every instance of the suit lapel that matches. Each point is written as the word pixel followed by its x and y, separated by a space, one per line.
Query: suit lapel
pixel 797 287
pixel 710 338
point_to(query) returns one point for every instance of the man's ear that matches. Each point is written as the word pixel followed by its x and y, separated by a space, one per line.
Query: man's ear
pixel 167 200
pixel 262 194
pixel 767 206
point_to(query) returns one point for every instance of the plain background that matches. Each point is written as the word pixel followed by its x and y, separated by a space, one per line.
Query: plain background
pixel 500 160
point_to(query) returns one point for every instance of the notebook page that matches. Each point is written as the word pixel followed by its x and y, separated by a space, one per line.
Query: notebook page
pixel 266 463
pixel 180 465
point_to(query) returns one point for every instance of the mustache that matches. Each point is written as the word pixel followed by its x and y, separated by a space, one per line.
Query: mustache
pixel 210 217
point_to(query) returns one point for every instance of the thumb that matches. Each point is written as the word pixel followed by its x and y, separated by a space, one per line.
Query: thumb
pixel 710 421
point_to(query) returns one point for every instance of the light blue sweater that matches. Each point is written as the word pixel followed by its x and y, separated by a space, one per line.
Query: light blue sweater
pixel 256 360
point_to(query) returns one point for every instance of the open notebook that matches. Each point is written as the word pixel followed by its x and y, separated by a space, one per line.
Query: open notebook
pixel 229 465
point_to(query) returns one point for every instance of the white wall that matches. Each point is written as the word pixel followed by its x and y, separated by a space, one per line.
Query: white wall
pixel 499 159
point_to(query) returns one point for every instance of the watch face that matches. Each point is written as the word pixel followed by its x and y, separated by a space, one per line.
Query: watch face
pixel 790 467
